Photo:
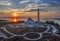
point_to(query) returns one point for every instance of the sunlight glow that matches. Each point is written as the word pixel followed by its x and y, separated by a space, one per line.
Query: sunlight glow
pixel 15 15
pixel 15 20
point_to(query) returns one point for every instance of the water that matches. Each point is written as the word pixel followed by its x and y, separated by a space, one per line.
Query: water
pixel 56 21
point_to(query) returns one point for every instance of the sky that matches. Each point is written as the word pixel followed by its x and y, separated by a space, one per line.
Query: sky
pixel 28 8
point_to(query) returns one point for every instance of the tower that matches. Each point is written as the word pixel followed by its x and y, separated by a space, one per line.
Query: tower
pixel 38 17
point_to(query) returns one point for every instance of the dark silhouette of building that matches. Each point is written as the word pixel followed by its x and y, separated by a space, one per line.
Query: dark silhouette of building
pixel 38 15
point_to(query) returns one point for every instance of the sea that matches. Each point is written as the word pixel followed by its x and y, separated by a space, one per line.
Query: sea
pixel 56 21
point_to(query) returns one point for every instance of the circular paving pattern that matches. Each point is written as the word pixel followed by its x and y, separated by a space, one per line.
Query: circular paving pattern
pixel 33 36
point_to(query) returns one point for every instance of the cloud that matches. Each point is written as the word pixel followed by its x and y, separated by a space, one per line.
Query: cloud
pixel 38 5
pixel 43 6
pixel 34 7
pixel 27 1
pixel 5 3
pixel 24 1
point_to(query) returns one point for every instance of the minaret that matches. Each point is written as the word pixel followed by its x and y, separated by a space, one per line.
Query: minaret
pixel 38 15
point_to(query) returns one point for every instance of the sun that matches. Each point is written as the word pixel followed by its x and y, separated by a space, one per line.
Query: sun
pixel 15 15
pixel 15 20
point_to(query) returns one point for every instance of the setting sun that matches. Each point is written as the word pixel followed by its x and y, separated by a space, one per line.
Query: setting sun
pixel 14 17
pixel 15 20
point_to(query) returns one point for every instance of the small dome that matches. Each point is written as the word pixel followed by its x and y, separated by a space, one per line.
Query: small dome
pixel 29 19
